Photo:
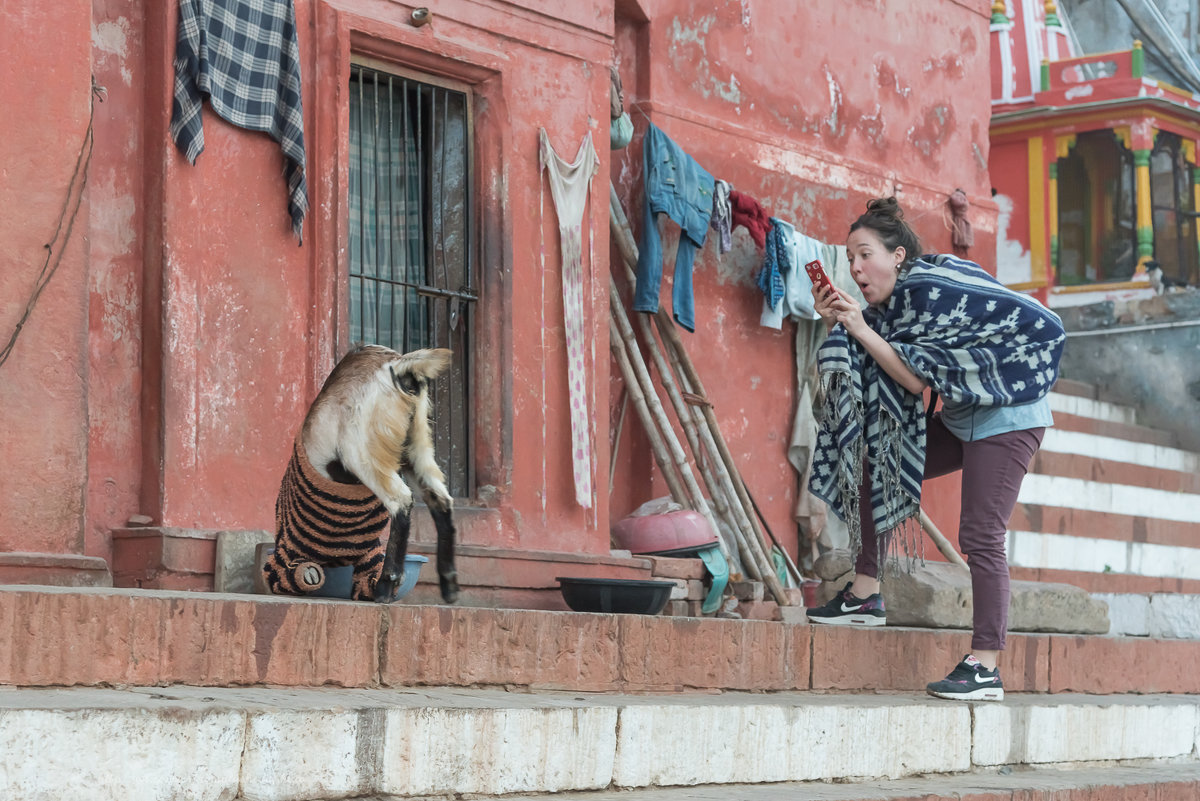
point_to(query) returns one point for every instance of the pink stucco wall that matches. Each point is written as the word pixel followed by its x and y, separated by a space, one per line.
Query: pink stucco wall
pixel 43 402
pixel 173 357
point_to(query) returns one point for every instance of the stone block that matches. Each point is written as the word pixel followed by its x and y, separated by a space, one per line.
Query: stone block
pixel 235 560
pixel 675 568
pixel 733 741
pixel 441 645
pixel 845 658
pixel 1128 614
pixel 747 590
pixel 1099 730
pixel 829 566
pixel 130 752
pixel 1175 616
pixel 309 753
pixel 550 748
pixel 1100 665
pixel 938 595
pixel 758 610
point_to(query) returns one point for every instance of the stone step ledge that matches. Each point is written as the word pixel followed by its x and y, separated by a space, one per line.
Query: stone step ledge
pixel 287 745
pixel 1115 429
pixel 1159 782
pixel 85 637
pixel 1084 467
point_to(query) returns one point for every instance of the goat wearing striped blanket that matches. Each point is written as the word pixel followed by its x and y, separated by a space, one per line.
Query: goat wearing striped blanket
pixel 343 486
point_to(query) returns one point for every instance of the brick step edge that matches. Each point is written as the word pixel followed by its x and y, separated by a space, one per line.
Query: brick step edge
pixel 1159 782
pixel 87 637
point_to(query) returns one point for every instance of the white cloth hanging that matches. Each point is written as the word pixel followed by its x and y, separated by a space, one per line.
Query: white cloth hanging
pixel 570 186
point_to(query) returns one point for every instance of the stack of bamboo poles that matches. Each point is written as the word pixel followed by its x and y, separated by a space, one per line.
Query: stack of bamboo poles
pixel 732 511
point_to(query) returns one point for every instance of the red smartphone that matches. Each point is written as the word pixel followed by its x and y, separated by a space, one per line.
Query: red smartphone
pixel 817 274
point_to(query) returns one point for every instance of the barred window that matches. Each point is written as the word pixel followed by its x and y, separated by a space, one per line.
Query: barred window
pixel 411 277
pixel 1172 192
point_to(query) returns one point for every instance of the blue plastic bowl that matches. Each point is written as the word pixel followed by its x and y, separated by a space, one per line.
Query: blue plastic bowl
pixel 339 581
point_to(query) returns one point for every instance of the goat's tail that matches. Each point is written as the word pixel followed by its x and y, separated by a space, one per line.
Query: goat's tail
pixel 426 364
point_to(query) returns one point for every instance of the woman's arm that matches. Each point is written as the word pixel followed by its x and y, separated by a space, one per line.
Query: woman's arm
pixel 849 314
pixel 887 358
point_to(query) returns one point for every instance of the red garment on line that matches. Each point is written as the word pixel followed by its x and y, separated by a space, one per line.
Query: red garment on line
pixel 746 211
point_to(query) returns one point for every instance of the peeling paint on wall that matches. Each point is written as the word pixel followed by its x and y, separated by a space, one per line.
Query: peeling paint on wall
pixel 113 38
pixel 1012 259
pixel 936 126
pixel 689 50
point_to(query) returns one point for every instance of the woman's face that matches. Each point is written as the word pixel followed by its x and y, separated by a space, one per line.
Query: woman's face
pixel 873 267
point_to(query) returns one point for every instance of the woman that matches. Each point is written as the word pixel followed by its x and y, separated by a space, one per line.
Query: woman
pixel 992 355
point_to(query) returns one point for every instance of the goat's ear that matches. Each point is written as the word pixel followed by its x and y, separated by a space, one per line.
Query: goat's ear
pixel 428 363
pixel 405 382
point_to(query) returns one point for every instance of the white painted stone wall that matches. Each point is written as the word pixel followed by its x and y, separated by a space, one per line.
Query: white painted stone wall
pixel 217 744
pixel 1160 615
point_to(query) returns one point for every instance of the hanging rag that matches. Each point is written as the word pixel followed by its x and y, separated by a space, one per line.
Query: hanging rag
pixel 819 533
pixel 973 340
pixel 243 56
pixel 776 263
pixel 961 234
pixel 797 300
pixel 620 129
pixel 677 186
pixel 570 185
pixel 745 211
pixel 722 217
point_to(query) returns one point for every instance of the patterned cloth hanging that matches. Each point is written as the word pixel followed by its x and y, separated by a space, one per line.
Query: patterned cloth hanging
pixel 243 56
pixel 570 185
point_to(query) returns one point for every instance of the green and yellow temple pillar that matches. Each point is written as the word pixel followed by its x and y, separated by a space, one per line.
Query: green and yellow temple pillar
pixel 1145 215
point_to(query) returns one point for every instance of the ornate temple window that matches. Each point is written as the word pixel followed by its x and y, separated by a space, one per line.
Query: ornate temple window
pixel 1097 230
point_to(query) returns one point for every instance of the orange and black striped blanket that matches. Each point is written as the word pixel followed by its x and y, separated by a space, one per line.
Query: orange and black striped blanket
pixel 321 521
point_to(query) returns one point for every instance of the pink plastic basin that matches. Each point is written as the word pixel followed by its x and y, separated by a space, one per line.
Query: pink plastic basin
pixel 665 532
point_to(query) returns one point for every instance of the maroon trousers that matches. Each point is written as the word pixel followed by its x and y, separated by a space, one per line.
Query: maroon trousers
pixel 992 471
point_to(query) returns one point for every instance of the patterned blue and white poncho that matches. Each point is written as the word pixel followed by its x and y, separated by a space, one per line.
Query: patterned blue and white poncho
pixel 972 339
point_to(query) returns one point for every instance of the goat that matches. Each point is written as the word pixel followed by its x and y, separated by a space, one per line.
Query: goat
pixel 343 485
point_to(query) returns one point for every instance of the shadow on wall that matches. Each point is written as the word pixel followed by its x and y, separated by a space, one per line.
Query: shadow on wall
pixel 1145 354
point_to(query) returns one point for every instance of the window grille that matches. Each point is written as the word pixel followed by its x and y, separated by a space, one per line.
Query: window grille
pixel 411 282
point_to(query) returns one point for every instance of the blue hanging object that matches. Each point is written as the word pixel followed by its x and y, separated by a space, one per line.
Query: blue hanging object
pixel 719 569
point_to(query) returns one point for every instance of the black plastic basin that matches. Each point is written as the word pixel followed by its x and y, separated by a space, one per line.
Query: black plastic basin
pixel 616 596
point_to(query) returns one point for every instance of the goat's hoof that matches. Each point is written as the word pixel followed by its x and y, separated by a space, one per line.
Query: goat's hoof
pixel 449 586
pixel 387 588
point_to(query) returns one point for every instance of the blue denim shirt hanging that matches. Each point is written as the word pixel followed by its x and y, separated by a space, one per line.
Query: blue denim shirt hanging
pixel 677 186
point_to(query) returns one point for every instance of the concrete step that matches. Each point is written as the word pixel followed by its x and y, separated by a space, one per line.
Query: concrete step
pixel 53 636
pixel 1160 782
pixel 322 744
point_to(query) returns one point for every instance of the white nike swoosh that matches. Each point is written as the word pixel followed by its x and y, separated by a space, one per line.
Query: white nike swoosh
pixel 850 608
pixel 984 679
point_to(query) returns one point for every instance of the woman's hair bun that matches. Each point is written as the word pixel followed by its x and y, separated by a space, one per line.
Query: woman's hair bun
pixel 885 205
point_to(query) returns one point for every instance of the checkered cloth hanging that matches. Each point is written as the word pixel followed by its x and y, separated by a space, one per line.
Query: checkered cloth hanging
pixel 243 56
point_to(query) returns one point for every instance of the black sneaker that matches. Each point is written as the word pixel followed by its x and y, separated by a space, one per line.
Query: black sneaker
pixel 847 610
pixel 969 681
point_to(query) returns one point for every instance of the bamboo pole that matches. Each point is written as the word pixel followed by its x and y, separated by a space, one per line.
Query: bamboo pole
pixel 706 422
pixel 620 323
pixel 717 493
pixel 943 544
pixel 666 327
pixel 754 561
pixel 721 499
pixel 616 446
pixel 657 447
